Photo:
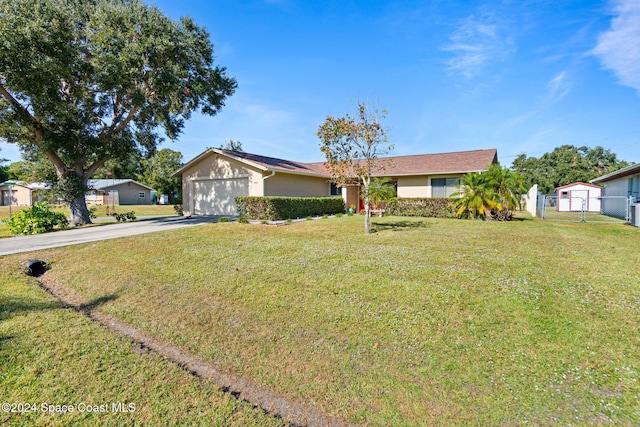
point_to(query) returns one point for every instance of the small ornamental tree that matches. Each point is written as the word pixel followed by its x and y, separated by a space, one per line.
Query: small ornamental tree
pixel 85 81
pixel 352 147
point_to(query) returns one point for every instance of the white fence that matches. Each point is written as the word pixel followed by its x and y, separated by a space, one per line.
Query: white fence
pixel 583 209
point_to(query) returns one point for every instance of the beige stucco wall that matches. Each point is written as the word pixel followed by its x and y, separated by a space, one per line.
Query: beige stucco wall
pixel 215 166
pixel 21 196
pixel 285 184
pixel 414 186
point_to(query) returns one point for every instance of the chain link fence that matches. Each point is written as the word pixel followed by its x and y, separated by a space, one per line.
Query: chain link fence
pixel 616 209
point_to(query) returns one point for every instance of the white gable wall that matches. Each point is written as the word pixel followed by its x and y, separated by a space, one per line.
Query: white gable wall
pixel 573 197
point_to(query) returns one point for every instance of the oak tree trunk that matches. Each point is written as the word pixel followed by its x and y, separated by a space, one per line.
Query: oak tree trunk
pixel 79 211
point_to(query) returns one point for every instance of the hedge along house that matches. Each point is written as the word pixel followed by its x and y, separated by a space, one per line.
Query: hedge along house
pixel 118 192
pixel 213 179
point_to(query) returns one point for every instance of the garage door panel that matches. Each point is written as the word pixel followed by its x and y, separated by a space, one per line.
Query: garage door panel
pixel 217 197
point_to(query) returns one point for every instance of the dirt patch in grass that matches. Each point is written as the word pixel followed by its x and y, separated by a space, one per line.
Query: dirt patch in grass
pixel 272 403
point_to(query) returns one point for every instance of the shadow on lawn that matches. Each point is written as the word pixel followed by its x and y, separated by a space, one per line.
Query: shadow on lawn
pixel 12 307
pixel 97 302
pixel 377 227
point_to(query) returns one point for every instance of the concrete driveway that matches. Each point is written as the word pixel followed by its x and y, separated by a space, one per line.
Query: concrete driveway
pixel 17 244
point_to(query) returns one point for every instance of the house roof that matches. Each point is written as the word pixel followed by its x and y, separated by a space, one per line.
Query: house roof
pixel 621 173
pixel 101 184
pixel 33 186
pixel 437 164
pixel 421 164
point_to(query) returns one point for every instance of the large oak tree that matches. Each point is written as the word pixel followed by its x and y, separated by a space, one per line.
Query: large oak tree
pixel 85 81
pixel 565 165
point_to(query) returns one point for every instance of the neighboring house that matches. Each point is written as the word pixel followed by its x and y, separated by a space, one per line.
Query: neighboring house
pixel 579 197
pixel 17 193
pixel 624 182
pixel 118 192
pixel 617 186
pixel 213 179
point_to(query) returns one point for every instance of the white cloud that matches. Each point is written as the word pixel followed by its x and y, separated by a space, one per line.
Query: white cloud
pixel 619 47
pixel 559 87
pixel 475 43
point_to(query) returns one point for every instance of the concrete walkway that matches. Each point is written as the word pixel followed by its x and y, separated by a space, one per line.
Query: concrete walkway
pixel 74 236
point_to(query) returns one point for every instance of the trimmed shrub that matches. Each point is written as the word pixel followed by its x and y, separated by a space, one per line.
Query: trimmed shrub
pixel 278 208
pixel 38 219
pixel 430 208
pixel 123 217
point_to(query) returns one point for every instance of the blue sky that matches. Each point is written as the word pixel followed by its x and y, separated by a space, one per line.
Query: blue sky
pixel 519 76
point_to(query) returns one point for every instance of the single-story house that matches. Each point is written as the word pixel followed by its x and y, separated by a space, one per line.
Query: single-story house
pixel 213 179
pixel 617 186
pixel 17 193
pixel 578 197
pixel 624 182
pixel 118 192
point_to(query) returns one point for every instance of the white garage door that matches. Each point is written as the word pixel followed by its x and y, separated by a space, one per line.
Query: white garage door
pixel 217 196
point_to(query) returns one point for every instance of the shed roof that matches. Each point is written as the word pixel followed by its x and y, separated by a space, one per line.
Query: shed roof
pixel 573 184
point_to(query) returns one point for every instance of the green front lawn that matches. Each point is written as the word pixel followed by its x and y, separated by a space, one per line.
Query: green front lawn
pixel 52 356
pixel 426 321
pixel 101 211
pixel 140 210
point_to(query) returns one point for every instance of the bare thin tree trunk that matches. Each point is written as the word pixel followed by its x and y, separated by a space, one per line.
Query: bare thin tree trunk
pixel 367 211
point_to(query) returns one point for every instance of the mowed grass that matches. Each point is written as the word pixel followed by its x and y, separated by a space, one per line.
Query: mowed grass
pixel 53 356
pixel 101 211
pixel 424 322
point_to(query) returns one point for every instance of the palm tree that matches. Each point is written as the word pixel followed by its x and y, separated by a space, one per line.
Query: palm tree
pixel 381 190
pixel 475 199
pixel 509 187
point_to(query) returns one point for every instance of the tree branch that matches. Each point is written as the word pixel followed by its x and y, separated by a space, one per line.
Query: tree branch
pixel 61 168
pixel 34 124
pixel 123 124
pixel 94 167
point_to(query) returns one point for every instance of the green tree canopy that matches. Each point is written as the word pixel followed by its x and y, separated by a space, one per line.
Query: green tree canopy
pixel 157 172
pixel 4 175
pixel 85 81
pixel 566 164
pixel 129 168
pixel 31 171
pixel 232 145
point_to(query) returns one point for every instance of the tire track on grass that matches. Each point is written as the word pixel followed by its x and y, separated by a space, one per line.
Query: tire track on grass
pixel 269 401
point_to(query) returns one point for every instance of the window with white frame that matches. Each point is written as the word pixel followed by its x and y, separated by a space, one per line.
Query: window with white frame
pixel 142 195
